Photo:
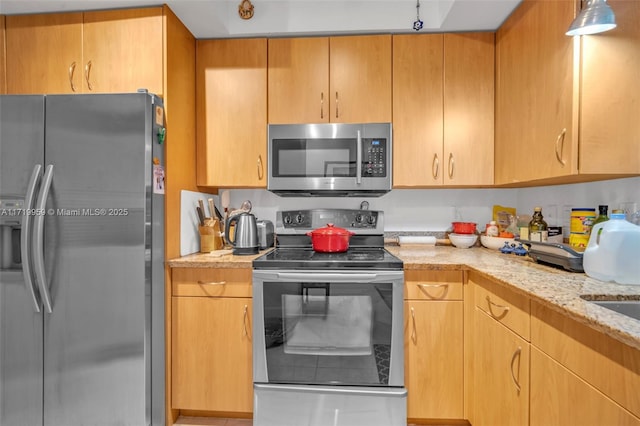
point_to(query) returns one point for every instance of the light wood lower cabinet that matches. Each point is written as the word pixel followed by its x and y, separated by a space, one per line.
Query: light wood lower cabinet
pixel 560 398
pixel 211 341
pixel 433 344
pixel 501 382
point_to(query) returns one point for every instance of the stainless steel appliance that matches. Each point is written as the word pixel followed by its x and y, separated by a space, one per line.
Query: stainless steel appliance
pixel 330 159
pixel 328 327
pixel 82 272
pixel 245 233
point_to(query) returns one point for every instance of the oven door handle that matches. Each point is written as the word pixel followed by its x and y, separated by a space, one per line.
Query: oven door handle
pixel 325 277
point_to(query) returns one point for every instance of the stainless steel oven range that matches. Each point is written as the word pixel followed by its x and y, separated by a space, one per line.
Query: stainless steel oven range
pixel 328 327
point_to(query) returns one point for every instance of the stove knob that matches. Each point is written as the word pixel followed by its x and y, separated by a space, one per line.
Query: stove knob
pixel 371 220
pixel 299 218
pixel 287 219
pixel 358 218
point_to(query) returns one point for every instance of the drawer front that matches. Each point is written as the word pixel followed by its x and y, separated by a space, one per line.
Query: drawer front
pixel 433 285
pixel 607 364
pixel 503 305
pixel 211 282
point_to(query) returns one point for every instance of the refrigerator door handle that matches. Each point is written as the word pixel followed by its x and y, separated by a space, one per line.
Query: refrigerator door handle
pixel 25 236
pixel 38 238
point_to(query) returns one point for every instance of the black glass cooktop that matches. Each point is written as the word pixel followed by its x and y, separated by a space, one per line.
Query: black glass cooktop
pixel 306 258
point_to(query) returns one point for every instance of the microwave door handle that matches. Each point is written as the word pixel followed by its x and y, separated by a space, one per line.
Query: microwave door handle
pixel 359 159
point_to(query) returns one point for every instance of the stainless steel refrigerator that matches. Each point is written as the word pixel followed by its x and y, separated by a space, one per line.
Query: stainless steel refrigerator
pixel 81 260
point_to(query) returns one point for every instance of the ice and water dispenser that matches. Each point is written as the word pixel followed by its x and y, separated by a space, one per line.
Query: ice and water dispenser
pixel 11 213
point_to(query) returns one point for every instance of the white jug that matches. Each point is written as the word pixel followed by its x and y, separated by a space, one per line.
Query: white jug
pixel 613 251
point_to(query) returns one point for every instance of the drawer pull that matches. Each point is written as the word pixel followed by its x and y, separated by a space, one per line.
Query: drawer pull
pixel 212 282
pixel 505 309
pixel 414 332
pixel 516 355
pixel 72 69
pixel 423 288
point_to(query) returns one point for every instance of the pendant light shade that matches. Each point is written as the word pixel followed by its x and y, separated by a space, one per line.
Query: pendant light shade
pixel 597 17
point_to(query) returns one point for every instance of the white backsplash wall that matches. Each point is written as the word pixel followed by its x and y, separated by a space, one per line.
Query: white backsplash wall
pixel 557 201
pixel 413 210
pixel 427 210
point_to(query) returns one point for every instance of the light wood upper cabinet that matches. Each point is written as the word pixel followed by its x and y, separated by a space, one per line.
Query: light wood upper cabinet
pixel 443 96
pixel 92 52
pixel 468 109
pixel 231 105
pixel 610 95
pixel 3 69
pixel 360 79
pixel 44 53
pixel 122 50
pixel 298 80
pixel 566 107
pixel 417 109
pixel 335 79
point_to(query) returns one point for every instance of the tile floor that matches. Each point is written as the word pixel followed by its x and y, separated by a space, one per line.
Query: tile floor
pixel 208 421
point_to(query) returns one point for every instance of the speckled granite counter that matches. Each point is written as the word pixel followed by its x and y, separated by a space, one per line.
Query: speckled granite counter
pixel 558 289
pixel 214 260
pixel 555 288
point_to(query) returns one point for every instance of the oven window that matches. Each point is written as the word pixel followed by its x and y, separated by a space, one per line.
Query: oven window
pixel 314 157
pixel 323 333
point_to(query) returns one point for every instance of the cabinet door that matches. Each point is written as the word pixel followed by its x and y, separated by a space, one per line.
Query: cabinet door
pixel 123 51
pixel 609 125
pixel 560 398
pixel 536 104
pixel 44 53
pixel 434 359
pixel 211 354
pixel 298 78
pixel 231 106
pixel 360 79
pixel 468 108
pixel 3 69
pixel 417 110
pixel 501 374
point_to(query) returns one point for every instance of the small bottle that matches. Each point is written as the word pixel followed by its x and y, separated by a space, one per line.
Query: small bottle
pixel 538 229
pixel 602 217
pixel 492 229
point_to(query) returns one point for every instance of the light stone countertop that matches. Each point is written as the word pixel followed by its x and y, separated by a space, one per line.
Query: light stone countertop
pixel 552 287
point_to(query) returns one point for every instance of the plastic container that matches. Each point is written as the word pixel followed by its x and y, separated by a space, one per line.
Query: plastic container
pixel 581 223
pixel 612 252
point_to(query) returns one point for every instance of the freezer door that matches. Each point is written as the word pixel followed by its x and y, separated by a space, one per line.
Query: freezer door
pixel 21 147
pixel 97 260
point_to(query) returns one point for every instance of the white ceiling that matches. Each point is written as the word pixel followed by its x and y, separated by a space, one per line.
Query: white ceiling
pixel 219 18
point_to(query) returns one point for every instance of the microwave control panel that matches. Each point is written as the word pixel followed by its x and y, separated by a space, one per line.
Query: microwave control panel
pixel 374 157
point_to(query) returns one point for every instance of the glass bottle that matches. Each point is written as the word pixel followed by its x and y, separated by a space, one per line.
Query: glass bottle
pixel 602 217
pixel 538 229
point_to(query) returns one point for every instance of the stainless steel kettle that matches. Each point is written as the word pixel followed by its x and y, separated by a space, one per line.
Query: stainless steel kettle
pixel 245 233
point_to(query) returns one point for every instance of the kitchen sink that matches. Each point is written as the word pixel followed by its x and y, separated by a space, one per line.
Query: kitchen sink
pixel 630 308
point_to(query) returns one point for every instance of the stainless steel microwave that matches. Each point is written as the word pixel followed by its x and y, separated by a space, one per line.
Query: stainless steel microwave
pixel 330 159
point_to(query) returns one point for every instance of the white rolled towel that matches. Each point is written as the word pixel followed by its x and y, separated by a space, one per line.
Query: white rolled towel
pixel 417 240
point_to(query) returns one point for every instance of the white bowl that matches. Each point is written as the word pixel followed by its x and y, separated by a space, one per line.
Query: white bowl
pixel 463 240
pixel 495 243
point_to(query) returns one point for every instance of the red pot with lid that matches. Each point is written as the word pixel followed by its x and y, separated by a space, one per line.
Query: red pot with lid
pixel 330 239
pixel 464 227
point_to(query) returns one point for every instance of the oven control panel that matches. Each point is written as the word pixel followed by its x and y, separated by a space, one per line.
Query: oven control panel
pixel 307 220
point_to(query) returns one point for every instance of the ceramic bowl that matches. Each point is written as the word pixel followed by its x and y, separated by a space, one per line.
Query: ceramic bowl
pixel 495 243
pixel 463 240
